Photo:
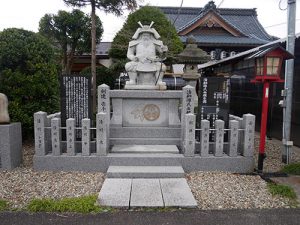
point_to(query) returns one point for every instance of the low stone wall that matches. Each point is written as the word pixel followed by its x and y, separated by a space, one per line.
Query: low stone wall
pixel 10 145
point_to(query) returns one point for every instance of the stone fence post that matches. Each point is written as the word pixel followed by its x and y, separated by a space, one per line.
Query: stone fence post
pixel 56 136
pixel 189 135
pixel 233 138
pixel 102 136
pixel 249 127
pixel 39 133
pixel 204 140
pixel 187 107
pixel 86 137
pixel 71 136
pixel 219 134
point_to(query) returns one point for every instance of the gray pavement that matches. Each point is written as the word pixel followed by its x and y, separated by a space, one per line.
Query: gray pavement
pixel 188 217
pixel 132 193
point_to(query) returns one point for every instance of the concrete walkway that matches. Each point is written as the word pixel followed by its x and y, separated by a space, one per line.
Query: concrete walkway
pixel 131 193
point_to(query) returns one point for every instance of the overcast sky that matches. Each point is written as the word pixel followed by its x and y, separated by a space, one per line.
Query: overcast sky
pixel 27 13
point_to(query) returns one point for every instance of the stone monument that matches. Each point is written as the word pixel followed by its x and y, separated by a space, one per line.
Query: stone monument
pixel 145 110
pixel 10 138
pixel 191 56
pixel 145 51
pixel 4 116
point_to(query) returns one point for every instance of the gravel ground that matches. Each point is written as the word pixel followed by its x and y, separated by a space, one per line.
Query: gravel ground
pixel 217 190
pixel 22 184
pixel 212 190
pixel 273 150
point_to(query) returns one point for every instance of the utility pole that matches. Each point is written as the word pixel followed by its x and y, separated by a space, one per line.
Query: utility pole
pixel 288 84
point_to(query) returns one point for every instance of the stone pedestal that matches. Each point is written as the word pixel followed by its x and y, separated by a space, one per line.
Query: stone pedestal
pixel 142 108
pixel 10 145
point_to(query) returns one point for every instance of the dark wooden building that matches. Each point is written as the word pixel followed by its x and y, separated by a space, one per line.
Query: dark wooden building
pixel 102 58
pixel 246 97
pixel 222 32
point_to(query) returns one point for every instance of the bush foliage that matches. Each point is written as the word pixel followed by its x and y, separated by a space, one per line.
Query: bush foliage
pixel 28 75
pixel 146 15
pixel 103 75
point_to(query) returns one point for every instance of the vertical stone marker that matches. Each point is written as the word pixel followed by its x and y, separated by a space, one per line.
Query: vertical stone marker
pixel 233 137
pixel 39 133
pixel 103 99
pixel 204 142
pixel 75 94
pixel 187 106
pixel 249 126
pixel 189 135
pixel 4 116
pixel 56 136
pixel 71 137
pixel 219 137
pixel 86 137
pixel 102 134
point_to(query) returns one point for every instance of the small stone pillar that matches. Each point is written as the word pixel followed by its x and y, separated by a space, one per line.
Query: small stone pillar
pixel 249 126
pixel 187 106
pixel 4 116
pixel 189 135
pixel 10 138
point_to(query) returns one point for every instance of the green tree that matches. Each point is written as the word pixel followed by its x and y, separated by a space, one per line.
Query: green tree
pixel 110 6
pixel 146 15
pixel 28 75
pixel 71 33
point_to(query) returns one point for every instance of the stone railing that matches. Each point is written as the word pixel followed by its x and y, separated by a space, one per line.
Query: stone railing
pixel 48 136
pixel 240 137
pixel 204 148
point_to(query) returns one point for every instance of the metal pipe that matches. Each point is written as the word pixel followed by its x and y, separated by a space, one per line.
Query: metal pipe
pixel 288 85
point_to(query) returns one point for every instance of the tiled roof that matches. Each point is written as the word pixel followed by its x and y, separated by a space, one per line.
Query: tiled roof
pixel 226 40
pixel 243 20
pixel 245 53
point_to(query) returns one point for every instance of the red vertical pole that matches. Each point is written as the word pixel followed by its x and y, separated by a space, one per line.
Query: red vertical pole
pixel 263 126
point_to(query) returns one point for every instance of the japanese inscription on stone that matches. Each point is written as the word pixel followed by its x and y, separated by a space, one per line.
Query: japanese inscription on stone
pixel 75 99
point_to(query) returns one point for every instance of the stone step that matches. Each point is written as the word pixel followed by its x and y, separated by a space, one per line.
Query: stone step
pixel 145 172
pixel 145 141
pixel 131 193
pixel 145 132
pixel 145 149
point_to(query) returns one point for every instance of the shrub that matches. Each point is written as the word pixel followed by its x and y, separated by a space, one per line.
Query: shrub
pixel 28 76
pixel 103 75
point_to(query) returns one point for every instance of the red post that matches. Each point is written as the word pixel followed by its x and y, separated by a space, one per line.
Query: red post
pixel 263 125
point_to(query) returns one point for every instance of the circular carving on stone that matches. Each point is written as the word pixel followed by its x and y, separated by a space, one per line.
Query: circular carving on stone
pixel 151 112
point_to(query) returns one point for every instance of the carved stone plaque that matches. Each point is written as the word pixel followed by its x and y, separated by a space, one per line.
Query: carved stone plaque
pixel 145 112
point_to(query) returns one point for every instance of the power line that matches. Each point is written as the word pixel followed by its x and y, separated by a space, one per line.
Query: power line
pixel 278 24
pixel 220 3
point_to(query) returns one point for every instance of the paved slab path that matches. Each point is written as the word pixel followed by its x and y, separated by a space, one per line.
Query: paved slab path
pixel 131 193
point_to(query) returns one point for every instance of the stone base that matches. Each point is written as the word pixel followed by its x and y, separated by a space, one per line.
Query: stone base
pixel 145 108
pixel 238 164
pixel 10 145
pixel 145 87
